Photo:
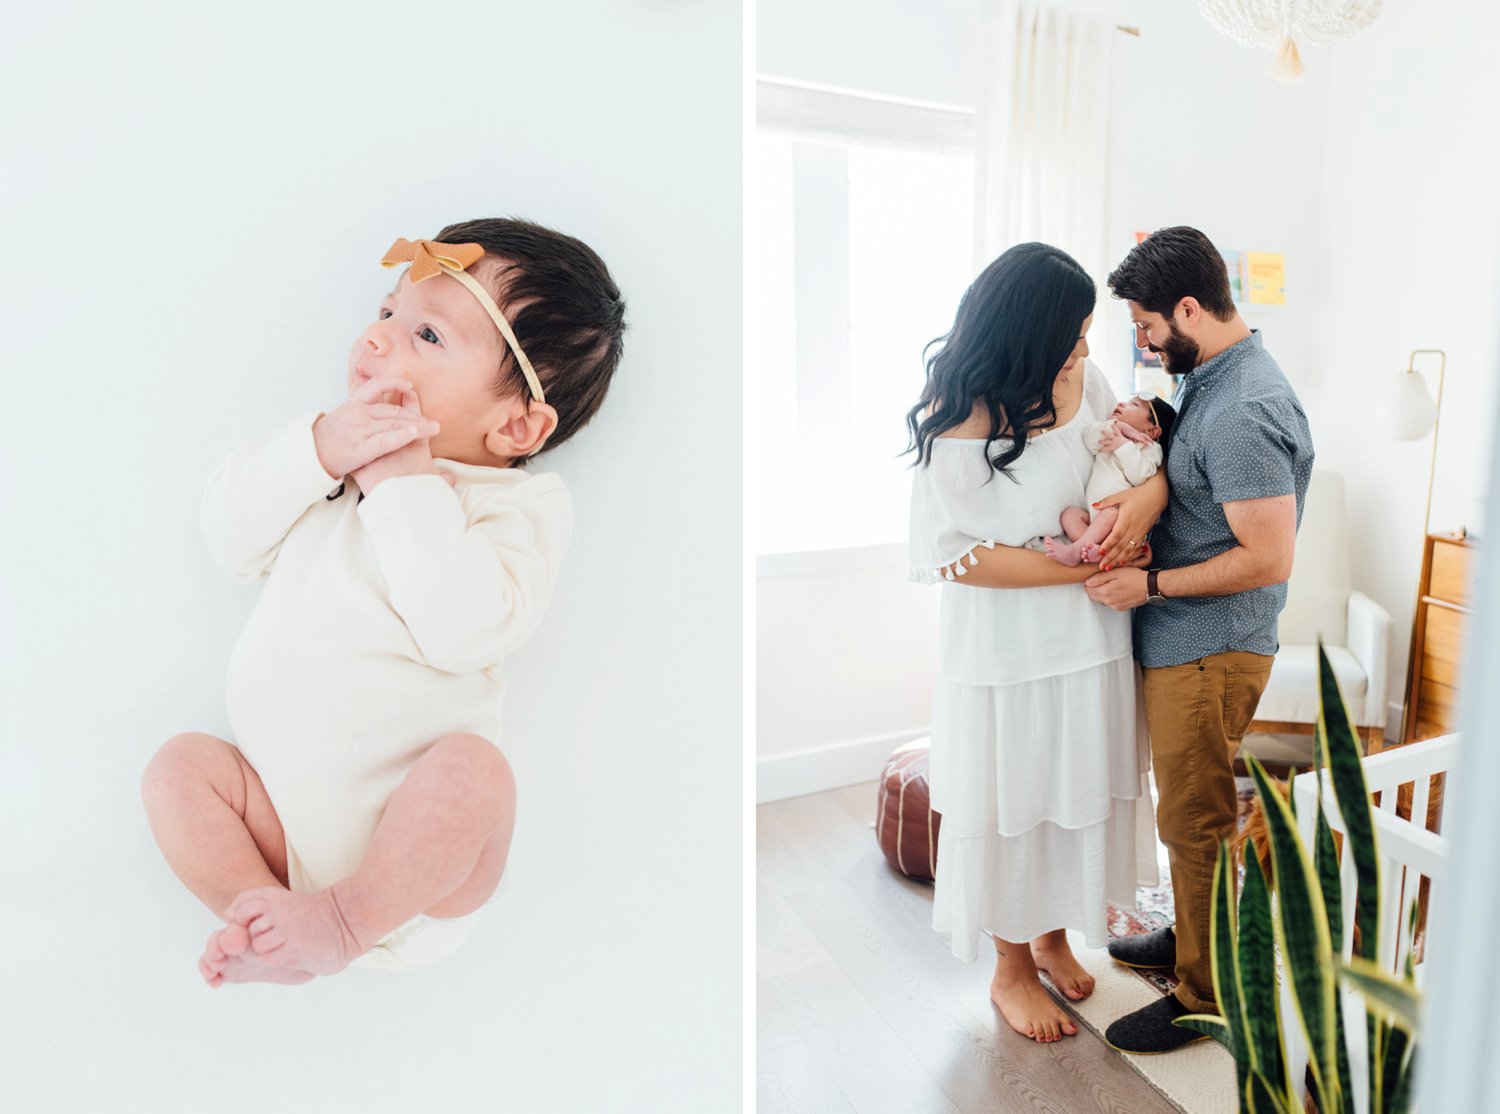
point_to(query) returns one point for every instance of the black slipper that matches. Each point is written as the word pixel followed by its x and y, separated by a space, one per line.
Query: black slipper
pixel 1146 949
pixel 1149 1030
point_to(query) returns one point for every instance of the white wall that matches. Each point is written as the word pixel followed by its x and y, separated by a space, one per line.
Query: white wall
pixel 1409 231
pixel 196 204
pixel 1202 136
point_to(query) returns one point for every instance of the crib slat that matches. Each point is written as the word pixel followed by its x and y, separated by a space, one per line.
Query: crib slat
pixel 1421 788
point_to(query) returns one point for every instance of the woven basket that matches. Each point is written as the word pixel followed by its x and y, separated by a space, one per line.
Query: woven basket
pixel 904 821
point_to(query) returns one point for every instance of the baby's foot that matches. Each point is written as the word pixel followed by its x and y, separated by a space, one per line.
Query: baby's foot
pixel 1030 1010
pixel 301 932
pixel 1062 554
pixel 224 961
pixel 1060 965
pixel 1088 553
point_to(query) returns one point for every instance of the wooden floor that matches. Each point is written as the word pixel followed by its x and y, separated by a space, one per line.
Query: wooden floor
pixel 861 1007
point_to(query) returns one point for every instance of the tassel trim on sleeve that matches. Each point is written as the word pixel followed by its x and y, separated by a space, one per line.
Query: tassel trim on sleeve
pixel 950 570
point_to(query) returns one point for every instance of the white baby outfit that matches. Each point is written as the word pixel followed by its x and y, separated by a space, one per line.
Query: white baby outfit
pixel 1039 748
pixel 1127 466
pixel 381 628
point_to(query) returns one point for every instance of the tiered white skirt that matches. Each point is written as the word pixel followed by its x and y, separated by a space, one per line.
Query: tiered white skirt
pixel 1046 813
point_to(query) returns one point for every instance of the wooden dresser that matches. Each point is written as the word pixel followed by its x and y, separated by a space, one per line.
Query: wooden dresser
pixel 1444 602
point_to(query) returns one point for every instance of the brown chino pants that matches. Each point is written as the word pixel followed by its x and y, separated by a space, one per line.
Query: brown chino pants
pixel 1197 714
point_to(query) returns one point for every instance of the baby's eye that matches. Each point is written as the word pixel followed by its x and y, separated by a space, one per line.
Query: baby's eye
pixel 383 313
pixel 428 335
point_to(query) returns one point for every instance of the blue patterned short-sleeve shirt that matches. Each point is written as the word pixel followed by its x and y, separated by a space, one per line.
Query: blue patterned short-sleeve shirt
pixel 1240 434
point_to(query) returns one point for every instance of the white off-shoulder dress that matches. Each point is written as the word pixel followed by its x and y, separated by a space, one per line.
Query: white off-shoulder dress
pixel 1039 748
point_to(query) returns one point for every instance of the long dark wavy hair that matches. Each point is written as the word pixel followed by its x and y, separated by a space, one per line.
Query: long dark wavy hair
pixel 1015 328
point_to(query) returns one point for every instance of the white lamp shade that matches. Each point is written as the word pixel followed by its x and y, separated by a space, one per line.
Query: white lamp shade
pixel 1408 411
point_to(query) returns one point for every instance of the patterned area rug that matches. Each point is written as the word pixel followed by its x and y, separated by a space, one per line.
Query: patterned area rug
pixel 1154 908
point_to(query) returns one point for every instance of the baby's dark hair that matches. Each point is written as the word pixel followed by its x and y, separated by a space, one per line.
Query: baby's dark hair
pixel 565 309
pixel 1164 416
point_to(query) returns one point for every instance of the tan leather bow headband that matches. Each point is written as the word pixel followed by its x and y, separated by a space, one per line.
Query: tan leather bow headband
pixel 432 257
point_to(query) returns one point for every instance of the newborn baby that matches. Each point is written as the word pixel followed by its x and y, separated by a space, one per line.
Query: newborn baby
pixel 363 812
pixel 1128 449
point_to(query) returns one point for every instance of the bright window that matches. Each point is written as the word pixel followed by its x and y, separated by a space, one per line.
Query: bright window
pixel 861 243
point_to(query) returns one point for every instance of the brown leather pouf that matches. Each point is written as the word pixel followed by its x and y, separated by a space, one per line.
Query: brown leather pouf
pixel 904 821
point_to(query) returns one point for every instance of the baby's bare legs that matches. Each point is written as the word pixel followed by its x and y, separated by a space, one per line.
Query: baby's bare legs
pixel 1075 522
pixel 216 828
pixel 440 849
pixel 1085 544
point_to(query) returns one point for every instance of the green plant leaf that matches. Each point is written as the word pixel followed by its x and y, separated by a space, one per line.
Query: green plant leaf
pixel 1384 993
pixel 1337 731
pixel 1302 925
pixel 1223 955
pixel 1257 978
pixel 1401 1099
pixel 1396 1045
pixel 1259 1097
pixel 1209 1024
pixel 1326 863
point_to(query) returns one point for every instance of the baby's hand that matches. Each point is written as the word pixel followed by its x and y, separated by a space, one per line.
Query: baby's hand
pixel 1111 439
pixel 364 428
pixel 411 459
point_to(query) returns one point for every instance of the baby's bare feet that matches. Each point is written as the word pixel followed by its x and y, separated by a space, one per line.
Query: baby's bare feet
pixel 291 931
pixel 1057 961
pixel 224 961
pixel 1062 554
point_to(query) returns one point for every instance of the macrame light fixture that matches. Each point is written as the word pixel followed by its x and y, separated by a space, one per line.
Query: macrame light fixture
pixel 1280 23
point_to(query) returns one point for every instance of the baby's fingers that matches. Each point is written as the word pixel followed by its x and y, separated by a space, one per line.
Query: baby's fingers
pixel 425 427
pixel 372 390
pixel 380 444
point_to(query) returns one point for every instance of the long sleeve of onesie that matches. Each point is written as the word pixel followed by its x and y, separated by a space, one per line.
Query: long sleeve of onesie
pixel 1138 462
pixel 258 494
pixel 470 571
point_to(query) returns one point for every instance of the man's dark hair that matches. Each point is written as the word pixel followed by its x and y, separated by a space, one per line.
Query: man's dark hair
pixel 1172 264
pixel 565 309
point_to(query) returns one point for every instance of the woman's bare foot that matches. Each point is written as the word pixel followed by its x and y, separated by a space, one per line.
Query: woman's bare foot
pixel 1022 1000
pixel 1052 955
pixel 219 966
pixel 305 933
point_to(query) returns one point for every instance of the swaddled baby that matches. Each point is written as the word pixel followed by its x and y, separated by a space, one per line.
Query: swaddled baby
pixel 1128 448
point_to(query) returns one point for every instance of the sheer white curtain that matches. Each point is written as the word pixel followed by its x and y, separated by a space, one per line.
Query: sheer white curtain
pixel 1041 143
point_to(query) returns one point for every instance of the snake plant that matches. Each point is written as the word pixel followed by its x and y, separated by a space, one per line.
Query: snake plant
pixel 1305 923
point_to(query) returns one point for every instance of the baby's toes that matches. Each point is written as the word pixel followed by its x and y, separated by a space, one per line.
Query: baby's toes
pixel 268 941
pixel 234 939
pixel 246 907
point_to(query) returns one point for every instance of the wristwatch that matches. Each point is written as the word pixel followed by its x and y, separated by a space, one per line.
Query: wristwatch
pixel 1153 593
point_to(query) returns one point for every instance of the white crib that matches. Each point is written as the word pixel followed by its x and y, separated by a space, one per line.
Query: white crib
pixel 1408 853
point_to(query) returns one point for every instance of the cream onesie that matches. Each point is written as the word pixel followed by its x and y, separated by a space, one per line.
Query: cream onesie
pixel 1130 465
pixel 381 627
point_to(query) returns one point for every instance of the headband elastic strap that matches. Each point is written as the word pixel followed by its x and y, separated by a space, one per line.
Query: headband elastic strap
pixel 503 325
pixel 428 257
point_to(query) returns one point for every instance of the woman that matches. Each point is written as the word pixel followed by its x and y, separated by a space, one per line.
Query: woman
pixel 1039 751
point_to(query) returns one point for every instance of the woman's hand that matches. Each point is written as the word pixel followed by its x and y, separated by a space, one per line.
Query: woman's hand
pixel 1140 507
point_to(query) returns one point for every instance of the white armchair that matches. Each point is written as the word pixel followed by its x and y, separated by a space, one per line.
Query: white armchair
pixel 1321 601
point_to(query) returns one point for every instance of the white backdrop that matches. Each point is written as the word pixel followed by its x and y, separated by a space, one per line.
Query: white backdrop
pixel 194 207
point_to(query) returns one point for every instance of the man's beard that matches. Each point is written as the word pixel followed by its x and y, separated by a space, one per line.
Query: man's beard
pixel 1179 355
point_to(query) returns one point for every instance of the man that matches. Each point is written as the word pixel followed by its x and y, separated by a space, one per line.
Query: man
pixel 1205 621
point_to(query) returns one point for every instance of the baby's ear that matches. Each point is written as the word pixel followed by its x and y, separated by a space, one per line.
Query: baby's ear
pixel 522 432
